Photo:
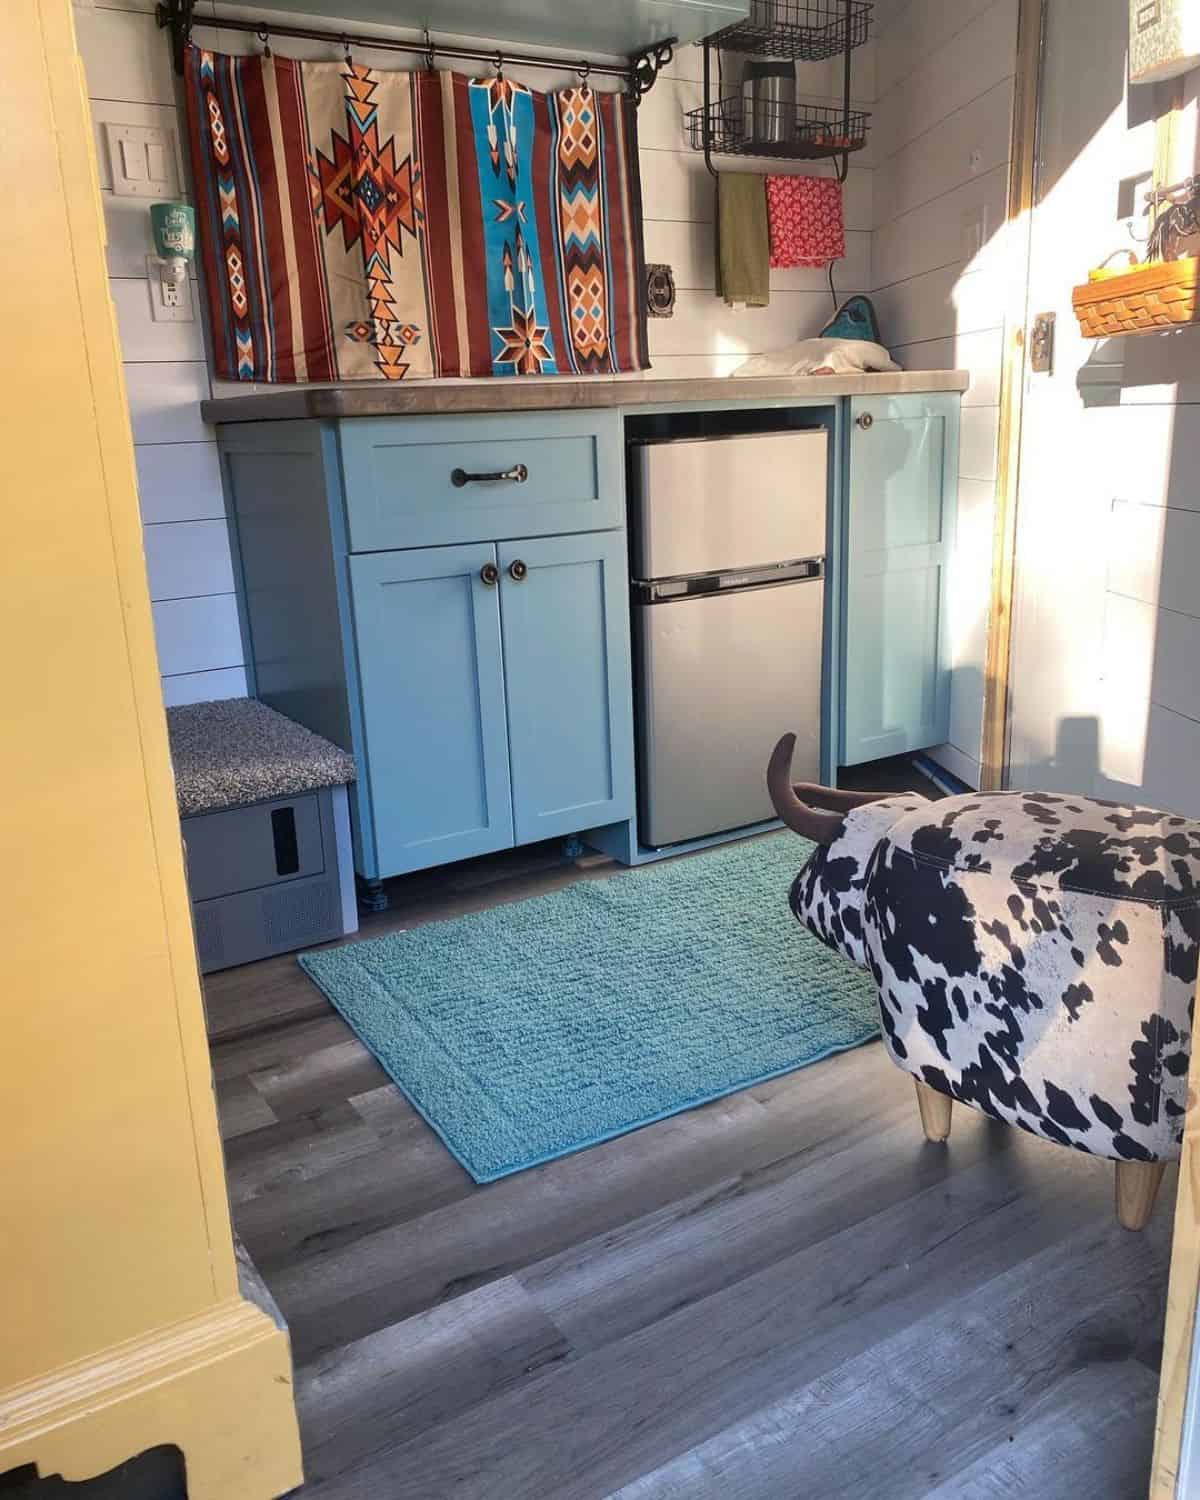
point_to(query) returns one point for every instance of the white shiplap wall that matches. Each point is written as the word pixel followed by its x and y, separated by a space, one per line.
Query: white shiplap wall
pixel 166 377
pixel 945 71
pixel 130 82
pixel 1106 627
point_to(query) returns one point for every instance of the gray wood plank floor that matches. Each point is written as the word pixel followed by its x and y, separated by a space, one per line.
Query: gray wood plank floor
pixel 786 1294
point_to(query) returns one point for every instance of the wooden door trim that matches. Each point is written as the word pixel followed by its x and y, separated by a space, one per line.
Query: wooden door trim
pixel 1021 184
pixel 1179 1331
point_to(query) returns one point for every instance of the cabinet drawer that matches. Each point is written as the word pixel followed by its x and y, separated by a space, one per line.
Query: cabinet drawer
pixel 399 475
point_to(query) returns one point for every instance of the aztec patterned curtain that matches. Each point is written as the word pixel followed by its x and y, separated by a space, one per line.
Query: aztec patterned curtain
pixel 367 225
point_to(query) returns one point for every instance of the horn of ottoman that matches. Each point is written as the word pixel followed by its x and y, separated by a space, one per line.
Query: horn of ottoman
pixel 1036 958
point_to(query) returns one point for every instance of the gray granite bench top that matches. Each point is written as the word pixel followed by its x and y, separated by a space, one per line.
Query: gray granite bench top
pixel 237 750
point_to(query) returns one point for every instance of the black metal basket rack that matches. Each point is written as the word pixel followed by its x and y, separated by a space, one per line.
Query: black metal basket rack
pixel 811 30
pixel 796 30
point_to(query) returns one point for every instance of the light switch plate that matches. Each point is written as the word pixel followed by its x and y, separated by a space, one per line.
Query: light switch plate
pixel 161 310
pixel 144 161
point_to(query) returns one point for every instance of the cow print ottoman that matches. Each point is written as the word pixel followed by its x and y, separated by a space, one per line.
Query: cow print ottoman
pixel 1035 955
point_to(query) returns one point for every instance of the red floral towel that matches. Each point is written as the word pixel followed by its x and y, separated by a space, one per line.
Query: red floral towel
pixel 805 218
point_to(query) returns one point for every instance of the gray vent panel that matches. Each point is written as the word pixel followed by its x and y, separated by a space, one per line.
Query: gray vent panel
pixel 304 915
pixel 210 935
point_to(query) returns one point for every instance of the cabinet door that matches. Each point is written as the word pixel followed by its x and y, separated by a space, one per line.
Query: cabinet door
pixel 567 676
pixel 427 629
pixel 903 495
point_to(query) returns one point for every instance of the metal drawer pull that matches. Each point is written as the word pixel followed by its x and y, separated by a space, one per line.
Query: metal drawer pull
pixel 517 570
pixel 865 421
pixel 490 574
pixel 518 474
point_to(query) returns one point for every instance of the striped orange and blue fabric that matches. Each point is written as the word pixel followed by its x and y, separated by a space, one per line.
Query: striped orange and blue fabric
pixel 358 224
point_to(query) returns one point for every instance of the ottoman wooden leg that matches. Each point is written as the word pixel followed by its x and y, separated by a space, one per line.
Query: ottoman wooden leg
pixel 1137 1188
pixel 935 1111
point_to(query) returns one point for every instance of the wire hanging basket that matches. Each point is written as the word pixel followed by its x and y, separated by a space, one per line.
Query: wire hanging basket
pixel 804 131
pixel 800 30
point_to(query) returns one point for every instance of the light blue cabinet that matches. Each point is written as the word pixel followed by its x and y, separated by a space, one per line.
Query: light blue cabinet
pixel 565 613
pixel 466 634
pixel 430 669
pixel 467 641
pixel 899 535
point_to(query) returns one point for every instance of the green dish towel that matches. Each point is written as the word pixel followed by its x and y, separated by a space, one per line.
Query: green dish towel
pixel 743 243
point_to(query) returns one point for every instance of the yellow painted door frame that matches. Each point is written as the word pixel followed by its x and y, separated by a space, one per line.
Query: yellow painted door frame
pixel 124 1325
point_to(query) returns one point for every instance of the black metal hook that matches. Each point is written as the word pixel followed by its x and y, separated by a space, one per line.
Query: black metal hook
pixel 706 119
pixel 346 47
pixel 498 64
pixel 583 71
pixel 264 37
pixel 848 16
pixel 428 50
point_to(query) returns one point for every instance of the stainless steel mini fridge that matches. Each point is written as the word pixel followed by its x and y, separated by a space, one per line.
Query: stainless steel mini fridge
pixel 728 554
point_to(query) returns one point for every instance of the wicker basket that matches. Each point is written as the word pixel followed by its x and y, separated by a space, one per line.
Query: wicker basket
pixel 1145 300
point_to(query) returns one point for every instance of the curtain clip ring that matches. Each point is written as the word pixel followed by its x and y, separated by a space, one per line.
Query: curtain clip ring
pixel 584 71
pixel 346 47
pixel 429 51
pixel 498 64
pixel 264 37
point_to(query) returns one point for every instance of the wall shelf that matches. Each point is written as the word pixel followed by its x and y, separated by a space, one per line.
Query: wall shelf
pixel 573 28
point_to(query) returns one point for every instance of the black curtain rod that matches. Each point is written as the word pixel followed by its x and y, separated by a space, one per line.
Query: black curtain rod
pixel 639 72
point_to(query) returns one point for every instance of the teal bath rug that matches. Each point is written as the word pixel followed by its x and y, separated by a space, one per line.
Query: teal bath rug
pixel 533 1030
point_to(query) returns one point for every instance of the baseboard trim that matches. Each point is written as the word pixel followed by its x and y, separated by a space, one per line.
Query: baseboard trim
pixel 217 1385
pixel 957 762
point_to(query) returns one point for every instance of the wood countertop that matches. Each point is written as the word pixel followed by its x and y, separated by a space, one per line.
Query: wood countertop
pixel 429 397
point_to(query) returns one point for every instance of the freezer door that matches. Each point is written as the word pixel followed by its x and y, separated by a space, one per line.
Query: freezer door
pixel 721 679
pixel 707 505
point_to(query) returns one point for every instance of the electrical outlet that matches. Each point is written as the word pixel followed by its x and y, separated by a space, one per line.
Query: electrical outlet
pixel 170 302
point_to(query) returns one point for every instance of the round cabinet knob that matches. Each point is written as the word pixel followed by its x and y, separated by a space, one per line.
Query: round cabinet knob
pixel 865 421
pixel 517 570
pixel 490 574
